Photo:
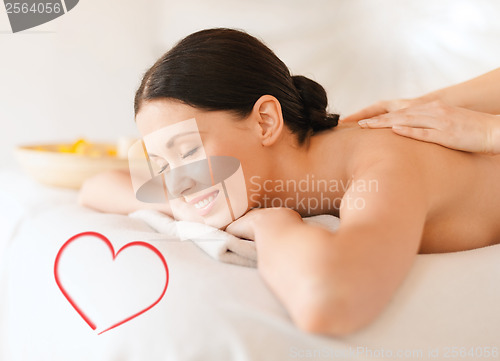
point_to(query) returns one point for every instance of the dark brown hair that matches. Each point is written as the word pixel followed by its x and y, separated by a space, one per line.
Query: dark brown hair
pixel 228 69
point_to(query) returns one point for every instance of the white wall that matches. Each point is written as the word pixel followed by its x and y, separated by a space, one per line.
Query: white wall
pixel 360 50
pixel 76 76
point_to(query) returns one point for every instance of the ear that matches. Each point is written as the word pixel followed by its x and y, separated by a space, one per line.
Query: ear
pixel 267 112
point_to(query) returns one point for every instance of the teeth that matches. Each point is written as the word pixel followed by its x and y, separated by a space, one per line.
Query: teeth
pixel 204 203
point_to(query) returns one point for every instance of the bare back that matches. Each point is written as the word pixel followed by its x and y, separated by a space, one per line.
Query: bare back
pixel 462 189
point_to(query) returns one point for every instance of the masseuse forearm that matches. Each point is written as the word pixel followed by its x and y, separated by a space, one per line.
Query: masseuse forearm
pixel 495 137
pixel 480 94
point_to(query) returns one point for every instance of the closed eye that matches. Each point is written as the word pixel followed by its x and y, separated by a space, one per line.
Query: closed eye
pixel 164 168
pixel 183 156
pixel 190 153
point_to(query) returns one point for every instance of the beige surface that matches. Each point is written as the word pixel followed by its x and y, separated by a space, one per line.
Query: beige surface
pixel 67 170
pixel 446 309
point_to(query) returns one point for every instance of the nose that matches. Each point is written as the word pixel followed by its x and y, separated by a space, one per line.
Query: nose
pixel 178 181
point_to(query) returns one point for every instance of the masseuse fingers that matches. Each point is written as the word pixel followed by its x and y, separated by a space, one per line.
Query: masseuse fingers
pixel 411 117
pixel 382 107
pixel 368 112
pixel 424 134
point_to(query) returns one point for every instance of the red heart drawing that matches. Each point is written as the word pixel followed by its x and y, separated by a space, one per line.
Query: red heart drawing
pixel 110 246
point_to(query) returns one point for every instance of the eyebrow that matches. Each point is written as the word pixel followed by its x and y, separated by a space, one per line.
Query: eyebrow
pixel 172 140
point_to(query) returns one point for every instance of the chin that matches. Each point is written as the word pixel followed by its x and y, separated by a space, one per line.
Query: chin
pixel 220 221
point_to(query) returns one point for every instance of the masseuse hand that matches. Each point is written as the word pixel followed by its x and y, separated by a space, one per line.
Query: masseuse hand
pixel 437 122
pixel 382 107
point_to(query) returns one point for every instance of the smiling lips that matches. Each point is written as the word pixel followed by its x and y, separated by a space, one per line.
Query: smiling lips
pixel 205 203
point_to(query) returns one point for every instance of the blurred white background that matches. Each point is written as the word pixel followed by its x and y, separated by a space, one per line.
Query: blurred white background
pixel 76 76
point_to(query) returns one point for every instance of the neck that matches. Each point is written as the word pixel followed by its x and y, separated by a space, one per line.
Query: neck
pixel 311 178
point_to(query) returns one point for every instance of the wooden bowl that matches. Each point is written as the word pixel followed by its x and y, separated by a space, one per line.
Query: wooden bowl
pixel 57 165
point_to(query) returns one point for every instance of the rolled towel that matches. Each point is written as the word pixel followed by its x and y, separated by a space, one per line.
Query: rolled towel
pixel 218 244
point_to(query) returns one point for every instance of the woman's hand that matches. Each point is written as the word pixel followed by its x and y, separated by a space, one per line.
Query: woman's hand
pixel 437 122
pixel 382 107
pixel 248 225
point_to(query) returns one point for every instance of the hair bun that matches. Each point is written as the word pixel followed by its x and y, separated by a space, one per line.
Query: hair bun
pixel 315 101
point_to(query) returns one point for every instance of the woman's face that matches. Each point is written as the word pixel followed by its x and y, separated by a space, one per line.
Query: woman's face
pixel 186 144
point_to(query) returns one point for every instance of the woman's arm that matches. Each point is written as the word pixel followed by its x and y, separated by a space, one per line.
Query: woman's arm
pixel 337 283
pixel 112 192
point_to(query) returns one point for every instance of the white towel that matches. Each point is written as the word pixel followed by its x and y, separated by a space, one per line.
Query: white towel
pixel 218 244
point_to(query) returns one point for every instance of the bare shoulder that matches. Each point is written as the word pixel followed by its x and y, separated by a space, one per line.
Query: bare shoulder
pixel 400 166
pixel 391 166
pixel 369 147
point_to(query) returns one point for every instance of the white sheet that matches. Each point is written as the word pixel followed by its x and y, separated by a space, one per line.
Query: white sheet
pixel 219 245
pixel 216 311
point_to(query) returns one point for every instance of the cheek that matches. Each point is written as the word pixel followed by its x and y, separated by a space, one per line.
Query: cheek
pixel 232 148
pixel 239 147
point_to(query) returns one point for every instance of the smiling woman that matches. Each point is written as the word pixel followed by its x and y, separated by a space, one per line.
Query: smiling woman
pixel 201 188
pixel 244 104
